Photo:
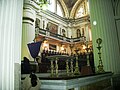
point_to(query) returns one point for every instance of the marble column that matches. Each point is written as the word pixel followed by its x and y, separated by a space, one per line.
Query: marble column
pixel 103 26
pixel 10 43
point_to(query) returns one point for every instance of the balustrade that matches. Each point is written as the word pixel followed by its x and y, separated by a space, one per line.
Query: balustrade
pixel 55 67
pixel 58 36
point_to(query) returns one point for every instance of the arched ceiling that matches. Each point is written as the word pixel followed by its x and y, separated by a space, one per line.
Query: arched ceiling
pixel 69 4
pixel 70 7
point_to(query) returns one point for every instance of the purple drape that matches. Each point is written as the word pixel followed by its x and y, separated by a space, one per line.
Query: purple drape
pixel 34 48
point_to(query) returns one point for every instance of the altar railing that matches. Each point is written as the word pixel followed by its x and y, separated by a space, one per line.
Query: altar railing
pixel 70 69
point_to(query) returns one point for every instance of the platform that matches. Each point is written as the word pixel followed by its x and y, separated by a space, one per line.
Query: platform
pixel 101 81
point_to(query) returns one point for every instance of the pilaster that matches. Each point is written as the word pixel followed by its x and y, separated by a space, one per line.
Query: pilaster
pixel 101 12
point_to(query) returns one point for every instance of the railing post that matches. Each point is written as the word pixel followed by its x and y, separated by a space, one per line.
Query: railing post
pixel 76 72
pixel 52 68
pixel 56 67
pixel 67 68
pixel 71 67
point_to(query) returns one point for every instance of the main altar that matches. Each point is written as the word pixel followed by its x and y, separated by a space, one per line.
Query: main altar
pixel 71 78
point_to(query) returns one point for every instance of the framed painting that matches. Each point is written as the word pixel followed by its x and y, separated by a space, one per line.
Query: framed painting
pixel 53 28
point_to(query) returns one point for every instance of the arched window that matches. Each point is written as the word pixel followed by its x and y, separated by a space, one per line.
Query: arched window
pixel 78 33
pixel 37 23
pixel 83 32
pixel 63 32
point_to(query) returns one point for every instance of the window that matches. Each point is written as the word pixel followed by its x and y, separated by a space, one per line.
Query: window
pixel 78 33
pixel 37 23
pixel 55 7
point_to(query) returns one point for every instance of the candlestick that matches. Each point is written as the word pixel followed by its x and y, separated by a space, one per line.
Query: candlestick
pixel 100 66
pixel 56 67
pixel 71 66
pixel 76 72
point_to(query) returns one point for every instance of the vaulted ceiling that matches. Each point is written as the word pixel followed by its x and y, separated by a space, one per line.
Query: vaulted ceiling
pixel 70 4
pixel 70 7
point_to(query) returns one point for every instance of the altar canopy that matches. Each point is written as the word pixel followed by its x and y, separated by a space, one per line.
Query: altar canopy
pixel 34 48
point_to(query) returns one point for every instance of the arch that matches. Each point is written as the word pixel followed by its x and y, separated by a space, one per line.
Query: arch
pixel 82 10
pixel 60 10
pixel 64 32
pixel 78 32
pixel 83 32
pixel 72 13
pixel 64 8
pixel 37 22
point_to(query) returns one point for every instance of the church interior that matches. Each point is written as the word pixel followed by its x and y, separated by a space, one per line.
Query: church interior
pixel 67 44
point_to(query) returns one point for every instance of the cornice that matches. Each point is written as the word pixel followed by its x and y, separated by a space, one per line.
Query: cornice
pixel 48 13
pixel 31 3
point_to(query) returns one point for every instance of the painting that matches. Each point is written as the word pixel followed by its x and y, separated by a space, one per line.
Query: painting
pixel 53 28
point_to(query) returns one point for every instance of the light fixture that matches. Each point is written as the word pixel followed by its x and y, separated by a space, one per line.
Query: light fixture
pixel 94 23
pixel 84 47
pixel 62 48
pixel 45 45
